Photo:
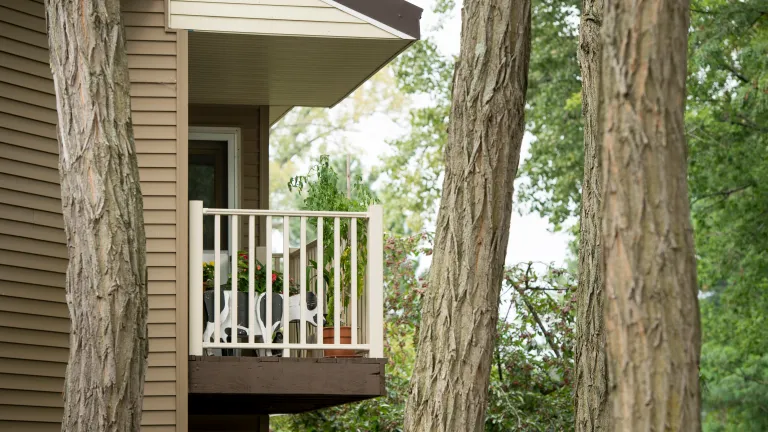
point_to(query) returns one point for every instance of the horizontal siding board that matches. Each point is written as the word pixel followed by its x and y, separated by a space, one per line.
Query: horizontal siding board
pixel 158 418
pixel 25 80
pixel 152 47
pixel 26 125
pixel 32 367
pixel 45 234
pixel 31 276
pixel 142 6
pixel 36 414
pixel 153 90
pixel 29 398
pixel 33 292
pixel 29 156
pixel 162 302
pixel 142 19
pixel 152 104
pixel 162 330
pixel 154 132
pixel 153 118
pixel 54 310
pixel 32 352
pixel 27 95
pixel 152 75
pixel 30 186
pixel 162 287
pixel 164 217
pixel 160 389
pixel 31 246
pixel 158 189
pixel 157 147
pixel 34 322
pixel 145 61
pixel 155 174
pixel 159 203
pixel 159 403
pixel 25 50
pixel 161 316
pixel 31 261
pixel 161 245
pixel 37 202
pixel 160 231
pixel 161 359
pixel 22 19
pixel 161 259
pixel 14 334
pixel 148 34
pixel 22 34
pixel 26 65
pixel 31 426
pixel 160 374
pixel 30 216
pixel 22 109
pixel 25 170
pixel 29 141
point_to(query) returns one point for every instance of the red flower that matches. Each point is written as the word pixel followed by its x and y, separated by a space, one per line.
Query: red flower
pixel 274 277
pixel 258 267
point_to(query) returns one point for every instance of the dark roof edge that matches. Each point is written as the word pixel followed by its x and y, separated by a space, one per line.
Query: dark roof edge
pixel 398 14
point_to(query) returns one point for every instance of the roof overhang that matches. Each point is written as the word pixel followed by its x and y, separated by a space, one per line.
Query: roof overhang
pixel 286 53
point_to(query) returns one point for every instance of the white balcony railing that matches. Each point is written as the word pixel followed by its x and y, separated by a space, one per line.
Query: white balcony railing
pixel 255 325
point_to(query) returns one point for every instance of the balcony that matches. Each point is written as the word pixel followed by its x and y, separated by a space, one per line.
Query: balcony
pixel 246 357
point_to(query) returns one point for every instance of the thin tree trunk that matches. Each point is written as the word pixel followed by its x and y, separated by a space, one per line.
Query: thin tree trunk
pixel 103 217
pixel 449 386
pixel 591 383
pixel 652 314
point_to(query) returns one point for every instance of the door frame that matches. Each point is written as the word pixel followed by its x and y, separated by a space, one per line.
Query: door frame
pixel 232 136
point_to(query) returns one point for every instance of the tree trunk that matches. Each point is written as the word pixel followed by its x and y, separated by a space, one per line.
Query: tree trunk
pixel 103 217
pixel 449 386
pixel 652 314
pixel 591 383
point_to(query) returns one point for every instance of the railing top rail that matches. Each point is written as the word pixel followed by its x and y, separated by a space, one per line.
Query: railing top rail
pixel 249 212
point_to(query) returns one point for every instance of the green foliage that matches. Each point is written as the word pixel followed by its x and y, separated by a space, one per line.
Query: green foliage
pixel 727 134
pixel 533 358
pixel 414 171
pixel 321 192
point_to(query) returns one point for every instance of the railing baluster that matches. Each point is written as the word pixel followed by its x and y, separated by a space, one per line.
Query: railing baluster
pixel 353 278
pixel 336 281
pixel 320 275
pixel 303 282
pixel 216 278
pixel 268 333
pixel 251 288
pixel 286 283
pixel 233 289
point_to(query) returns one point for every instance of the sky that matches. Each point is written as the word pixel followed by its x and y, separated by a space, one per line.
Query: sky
pixel 530 236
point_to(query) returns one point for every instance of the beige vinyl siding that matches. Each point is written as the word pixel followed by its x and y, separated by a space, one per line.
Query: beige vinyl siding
pixel 272 17
pixel 247 119
pixel 34 322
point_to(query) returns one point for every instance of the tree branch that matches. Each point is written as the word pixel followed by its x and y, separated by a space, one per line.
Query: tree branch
pixel 724 193
pixel 536 318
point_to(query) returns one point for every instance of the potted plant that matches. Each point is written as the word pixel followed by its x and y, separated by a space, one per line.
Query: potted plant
pixel 324 194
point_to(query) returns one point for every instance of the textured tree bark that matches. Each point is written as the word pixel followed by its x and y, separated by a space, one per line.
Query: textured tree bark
pixel 652 315
pixel 103 217
pixel 590 393
pixel 449 386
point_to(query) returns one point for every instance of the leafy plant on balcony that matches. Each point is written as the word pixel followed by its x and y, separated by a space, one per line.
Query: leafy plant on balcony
pixel 324 192
pixel 259 277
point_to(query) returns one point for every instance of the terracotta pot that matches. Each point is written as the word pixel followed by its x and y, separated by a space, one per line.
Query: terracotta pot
pixel 345 337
